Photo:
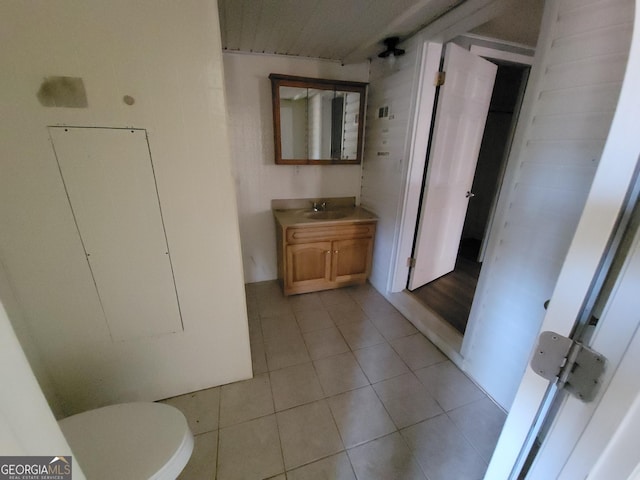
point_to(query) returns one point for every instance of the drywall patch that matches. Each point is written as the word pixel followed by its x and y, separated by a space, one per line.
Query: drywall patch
pixel 63 92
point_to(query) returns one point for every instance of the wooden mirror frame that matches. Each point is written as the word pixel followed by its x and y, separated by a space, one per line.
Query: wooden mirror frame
pixel 278 80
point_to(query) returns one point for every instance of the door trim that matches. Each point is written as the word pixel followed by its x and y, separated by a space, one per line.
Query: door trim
pixel 425 99
pixel 436 329
pixel 461 113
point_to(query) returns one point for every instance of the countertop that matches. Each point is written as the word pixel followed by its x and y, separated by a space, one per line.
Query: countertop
pixel 331 216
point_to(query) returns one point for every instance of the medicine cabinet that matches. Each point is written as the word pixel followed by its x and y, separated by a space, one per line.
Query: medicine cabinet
pixel 317 121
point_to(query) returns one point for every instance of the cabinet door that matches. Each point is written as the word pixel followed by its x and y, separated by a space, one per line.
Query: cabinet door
pixel 351 260
pixel 308 266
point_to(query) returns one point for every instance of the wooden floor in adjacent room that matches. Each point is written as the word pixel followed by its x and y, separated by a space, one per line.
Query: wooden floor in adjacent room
pixel 451 295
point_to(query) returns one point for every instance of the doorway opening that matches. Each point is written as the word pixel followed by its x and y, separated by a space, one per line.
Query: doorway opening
pixel 451 295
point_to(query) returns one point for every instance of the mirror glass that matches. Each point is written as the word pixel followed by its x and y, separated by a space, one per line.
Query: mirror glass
pixel 317 121
pixel 293 122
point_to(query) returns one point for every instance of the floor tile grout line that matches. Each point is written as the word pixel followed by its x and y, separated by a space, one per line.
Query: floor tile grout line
pixel 353 469
pixel 352 350
pixel 218 433
pixel 371 383
pixel 335 424
pixel 399 432
pixel 344 448
pixel 384 405
pixel 319 460
pixel 385 340
pixel 269 368
pixel 328 396
pixel 275 414
pixel 389 344
pixel 469 441
pixel 417 332
pixel 305 340
pixel 396 428
pixel 413 455
pixel 464 437
pixel 324 392
pixel 413 371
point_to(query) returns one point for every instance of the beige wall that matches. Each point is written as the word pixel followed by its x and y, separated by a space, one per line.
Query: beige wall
pixel 168 57
pixel 519 23
pixel 13 310
pixel 27 425
pixel 258 179
pixel 552 174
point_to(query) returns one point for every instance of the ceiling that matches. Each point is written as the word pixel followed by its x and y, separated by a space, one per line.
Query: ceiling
pixel 344 30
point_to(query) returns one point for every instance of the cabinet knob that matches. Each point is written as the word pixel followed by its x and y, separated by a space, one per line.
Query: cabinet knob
pixel 335 251
pixel 328 252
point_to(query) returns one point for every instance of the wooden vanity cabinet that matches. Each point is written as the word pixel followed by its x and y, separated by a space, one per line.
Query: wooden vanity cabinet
pixel 322 257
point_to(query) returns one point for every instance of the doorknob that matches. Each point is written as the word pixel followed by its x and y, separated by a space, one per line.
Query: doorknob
pixel 470 194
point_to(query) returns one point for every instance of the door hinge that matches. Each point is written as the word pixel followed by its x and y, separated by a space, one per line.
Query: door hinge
pixel 411 262
pixel 440 77
pixel 575 367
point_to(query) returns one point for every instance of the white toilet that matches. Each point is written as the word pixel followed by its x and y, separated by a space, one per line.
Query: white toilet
pixel 134 441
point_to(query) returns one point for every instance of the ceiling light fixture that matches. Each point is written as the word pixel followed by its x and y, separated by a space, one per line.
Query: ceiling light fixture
pixel 392 50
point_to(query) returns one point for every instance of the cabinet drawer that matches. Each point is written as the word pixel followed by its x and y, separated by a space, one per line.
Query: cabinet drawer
pixel 332 232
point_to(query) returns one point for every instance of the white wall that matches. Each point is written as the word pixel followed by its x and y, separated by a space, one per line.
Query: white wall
pixel 566 115
pixel 519 23
pixel 258 179
pixel 544 190
pixel 27 425
pixel 389 153
pixel 168 57
pixel 15 314
pixel 387 150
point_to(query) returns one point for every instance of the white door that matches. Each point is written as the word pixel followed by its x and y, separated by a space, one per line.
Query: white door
pixel 575 433
pixel 581 430
pixel 461 114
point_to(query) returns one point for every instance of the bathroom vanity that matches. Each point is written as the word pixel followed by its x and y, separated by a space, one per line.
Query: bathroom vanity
pixel 322 243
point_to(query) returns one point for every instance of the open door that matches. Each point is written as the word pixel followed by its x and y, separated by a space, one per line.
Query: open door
pixel 574 432
pixel 461 114
pixel 573 426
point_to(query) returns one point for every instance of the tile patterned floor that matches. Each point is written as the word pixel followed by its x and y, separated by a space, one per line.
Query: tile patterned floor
pixel 344 387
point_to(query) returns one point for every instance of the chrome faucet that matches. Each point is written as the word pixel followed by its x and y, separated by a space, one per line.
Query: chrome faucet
pixel 319 207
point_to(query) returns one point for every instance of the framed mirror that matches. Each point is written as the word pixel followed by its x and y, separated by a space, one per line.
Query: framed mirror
pixel 317 121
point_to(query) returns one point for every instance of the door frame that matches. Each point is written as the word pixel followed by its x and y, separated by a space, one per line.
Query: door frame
pixel 429 59
pixel 462 110
pixel 429 65
pixel 443 335
pixel 458 22
pixel 565 450
pixel 525 63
